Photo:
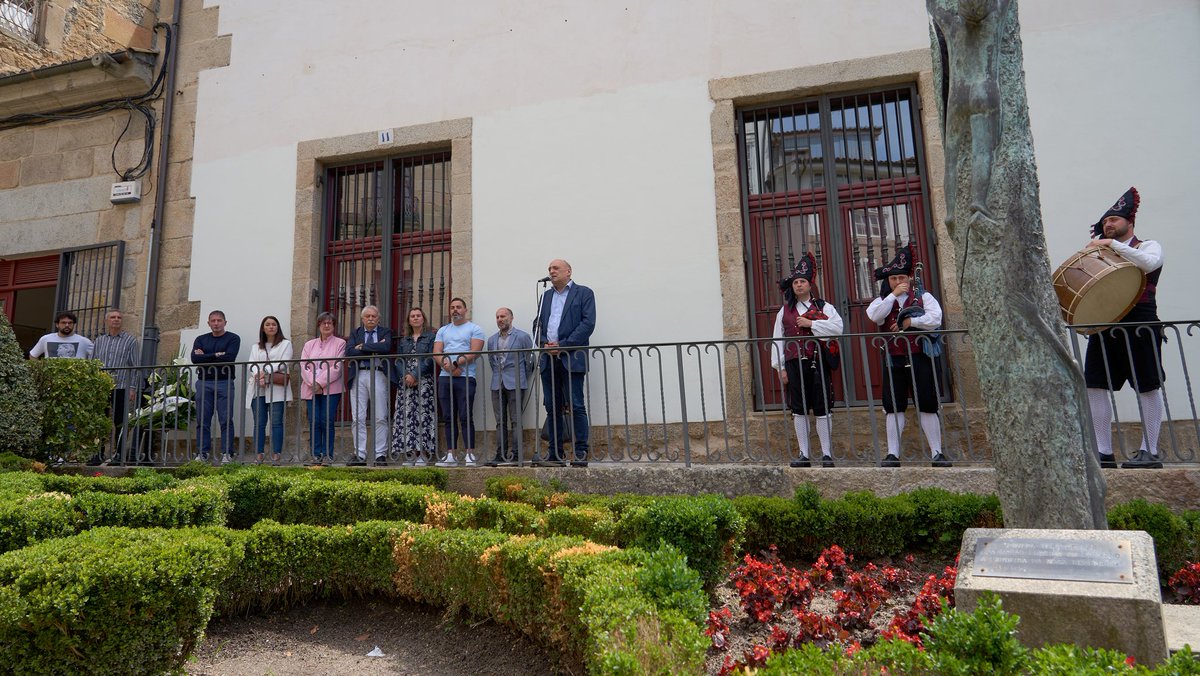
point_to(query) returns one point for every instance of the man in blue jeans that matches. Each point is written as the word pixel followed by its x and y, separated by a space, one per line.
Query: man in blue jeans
pixel 567 319
pixel 215 353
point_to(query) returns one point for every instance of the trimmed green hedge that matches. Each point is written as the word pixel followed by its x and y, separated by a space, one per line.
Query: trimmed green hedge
pixel 597 605
pixel 928 519
pixel 1176 537
pixel 38 514
pixel 109 601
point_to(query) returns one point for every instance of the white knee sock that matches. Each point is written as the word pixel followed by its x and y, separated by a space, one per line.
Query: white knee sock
pixel 933 432
pixel 895 427
pixel 1152 412
pixel 801 424
pixel 1101 419
pixel 824 428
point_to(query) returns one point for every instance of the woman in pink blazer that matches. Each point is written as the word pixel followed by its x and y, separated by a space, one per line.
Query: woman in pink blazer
pixel 321 384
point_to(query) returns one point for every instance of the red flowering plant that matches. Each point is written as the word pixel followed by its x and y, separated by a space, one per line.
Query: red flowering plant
pixel 717 627
pixel 1186 583
pixel 763 584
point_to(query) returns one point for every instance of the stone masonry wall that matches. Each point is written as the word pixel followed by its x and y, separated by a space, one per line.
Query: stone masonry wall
pixel 55 178
pixel 77 29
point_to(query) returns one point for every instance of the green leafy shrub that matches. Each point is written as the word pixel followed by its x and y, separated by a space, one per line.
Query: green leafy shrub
pixel 871 526
pixel 980 642
pixel 192 503
pixel 143 481
pixel 707 529
pixel 27 519
pixel 942 517
pixel 513 518
pixel 330 503
pixel 666 579
pixel 109 601
pixel 74 395
pixel 41 515
pixel 11 462
pixel 20 409
pixel 288 564
pixel 582 599
pixel 592 522
pixel 1175 542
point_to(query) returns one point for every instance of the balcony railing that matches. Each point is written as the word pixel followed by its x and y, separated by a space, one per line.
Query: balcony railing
pixel 689 403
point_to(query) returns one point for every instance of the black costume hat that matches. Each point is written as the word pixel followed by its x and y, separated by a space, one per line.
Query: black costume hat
pixel 806 267
pixel 1126 208
pixel 902 264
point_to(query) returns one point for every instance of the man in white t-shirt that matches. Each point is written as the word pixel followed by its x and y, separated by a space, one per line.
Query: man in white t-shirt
pixel 456 382
pixel 64 342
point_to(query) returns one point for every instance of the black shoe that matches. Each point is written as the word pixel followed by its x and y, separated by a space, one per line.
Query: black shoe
pixel 579 463
pixel 827 461
pixel 357 463
pixel 1143 460
pixel 381 461
pixel 1108 461
pixel 494 462
pixel 940 460
pixel 95 461
pixel 802 462
pixel 890 461
pixel 507 460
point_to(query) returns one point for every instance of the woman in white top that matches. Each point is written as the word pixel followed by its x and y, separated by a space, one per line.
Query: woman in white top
pixel 267 387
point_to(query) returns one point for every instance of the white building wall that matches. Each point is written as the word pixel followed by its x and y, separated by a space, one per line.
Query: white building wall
pixel 591 133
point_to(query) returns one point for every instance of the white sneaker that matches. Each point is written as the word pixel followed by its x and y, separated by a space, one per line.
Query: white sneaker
pixel 420 462
pixel 226 458
pixel 448 462
pixel 471 460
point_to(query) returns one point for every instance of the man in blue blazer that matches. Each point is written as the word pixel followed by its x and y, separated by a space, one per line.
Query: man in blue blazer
pixel 368 379
pixel 567 319
pixel 512 374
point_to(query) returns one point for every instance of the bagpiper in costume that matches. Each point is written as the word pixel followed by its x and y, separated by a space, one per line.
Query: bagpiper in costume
pixel 805 362
pixel 907 369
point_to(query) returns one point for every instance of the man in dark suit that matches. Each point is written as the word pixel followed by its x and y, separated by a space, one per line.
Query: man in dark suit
pixel 368 379
pixel 567 319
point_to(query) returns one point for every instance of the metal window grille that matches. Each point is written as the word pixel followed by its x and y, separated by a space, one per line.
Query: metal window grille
pixel 840 176
pixel 388 239
pixel 20 17
pixel 89 283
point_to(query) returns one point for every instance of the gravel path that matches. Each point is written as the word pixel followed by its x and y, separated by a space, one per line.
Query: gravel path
pixel 334 637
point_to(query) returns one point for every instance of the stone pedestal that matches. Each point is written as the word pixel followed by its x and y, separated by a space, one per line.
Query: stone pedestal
pixel 1091 588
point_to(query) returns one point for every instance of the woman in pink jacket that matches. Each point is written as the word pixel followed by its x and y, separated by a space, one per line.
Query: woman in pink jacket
pixel 321 384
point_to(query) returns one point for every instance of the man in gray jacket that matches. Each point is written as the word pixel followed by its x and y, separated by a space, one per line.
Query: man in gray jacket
pixel 511 375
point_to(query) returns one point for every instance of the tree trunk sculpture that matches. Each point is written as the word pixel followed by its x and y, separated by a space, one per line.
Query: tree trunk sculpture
pixel 1047 471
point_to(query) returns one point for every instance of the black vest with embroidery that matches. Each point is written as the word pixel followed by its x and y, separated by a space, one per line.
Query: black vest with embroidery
pixel 790 314
pixel 908 344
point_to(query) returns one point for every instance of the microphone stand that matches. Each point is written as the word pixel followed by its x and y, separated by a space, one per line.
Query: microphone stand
pixel 536 375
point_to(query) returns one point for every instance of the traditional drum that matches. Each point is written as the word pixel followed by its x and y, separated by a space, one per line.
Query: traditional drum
pixel 1097 286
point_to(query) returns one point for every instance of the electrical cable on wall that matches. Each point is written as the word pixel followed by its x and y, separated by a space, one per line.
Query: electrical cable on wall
pixel 134 104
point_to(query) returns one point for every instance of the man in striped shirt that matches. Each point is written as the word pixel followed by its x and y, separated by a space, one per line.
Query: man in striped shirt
pixel 117 349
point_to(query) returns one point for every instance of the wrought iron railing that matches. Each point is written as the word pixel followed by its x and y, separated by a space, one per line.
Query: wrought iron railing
pixel 688 403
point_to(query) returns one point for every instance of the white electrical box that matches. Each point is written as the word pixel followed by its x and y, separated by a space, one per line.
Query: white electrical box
pixel 126 192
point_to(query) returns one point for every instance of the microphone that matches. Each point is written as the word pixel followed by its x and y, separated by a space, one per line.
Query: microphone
pixel 543 280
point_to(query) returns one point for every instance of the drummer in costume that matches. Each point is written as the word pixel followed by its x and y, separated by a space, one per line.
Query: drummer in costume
pixel 1131 354
pixel 804 363
pixel 905 363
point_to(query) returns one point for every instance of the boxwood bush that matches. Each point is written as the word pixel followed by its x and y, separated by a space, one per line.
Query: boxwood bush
pixel 20 409
pixel 109 601
pixel 74 394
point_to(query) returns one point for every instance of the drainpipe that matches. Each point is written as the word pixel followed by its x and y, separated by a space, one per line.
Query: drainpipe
pixel 149 327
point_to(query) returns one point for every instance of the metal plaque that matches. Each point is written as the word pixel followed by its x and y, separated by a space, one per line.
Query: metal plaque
pixel 1054 559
